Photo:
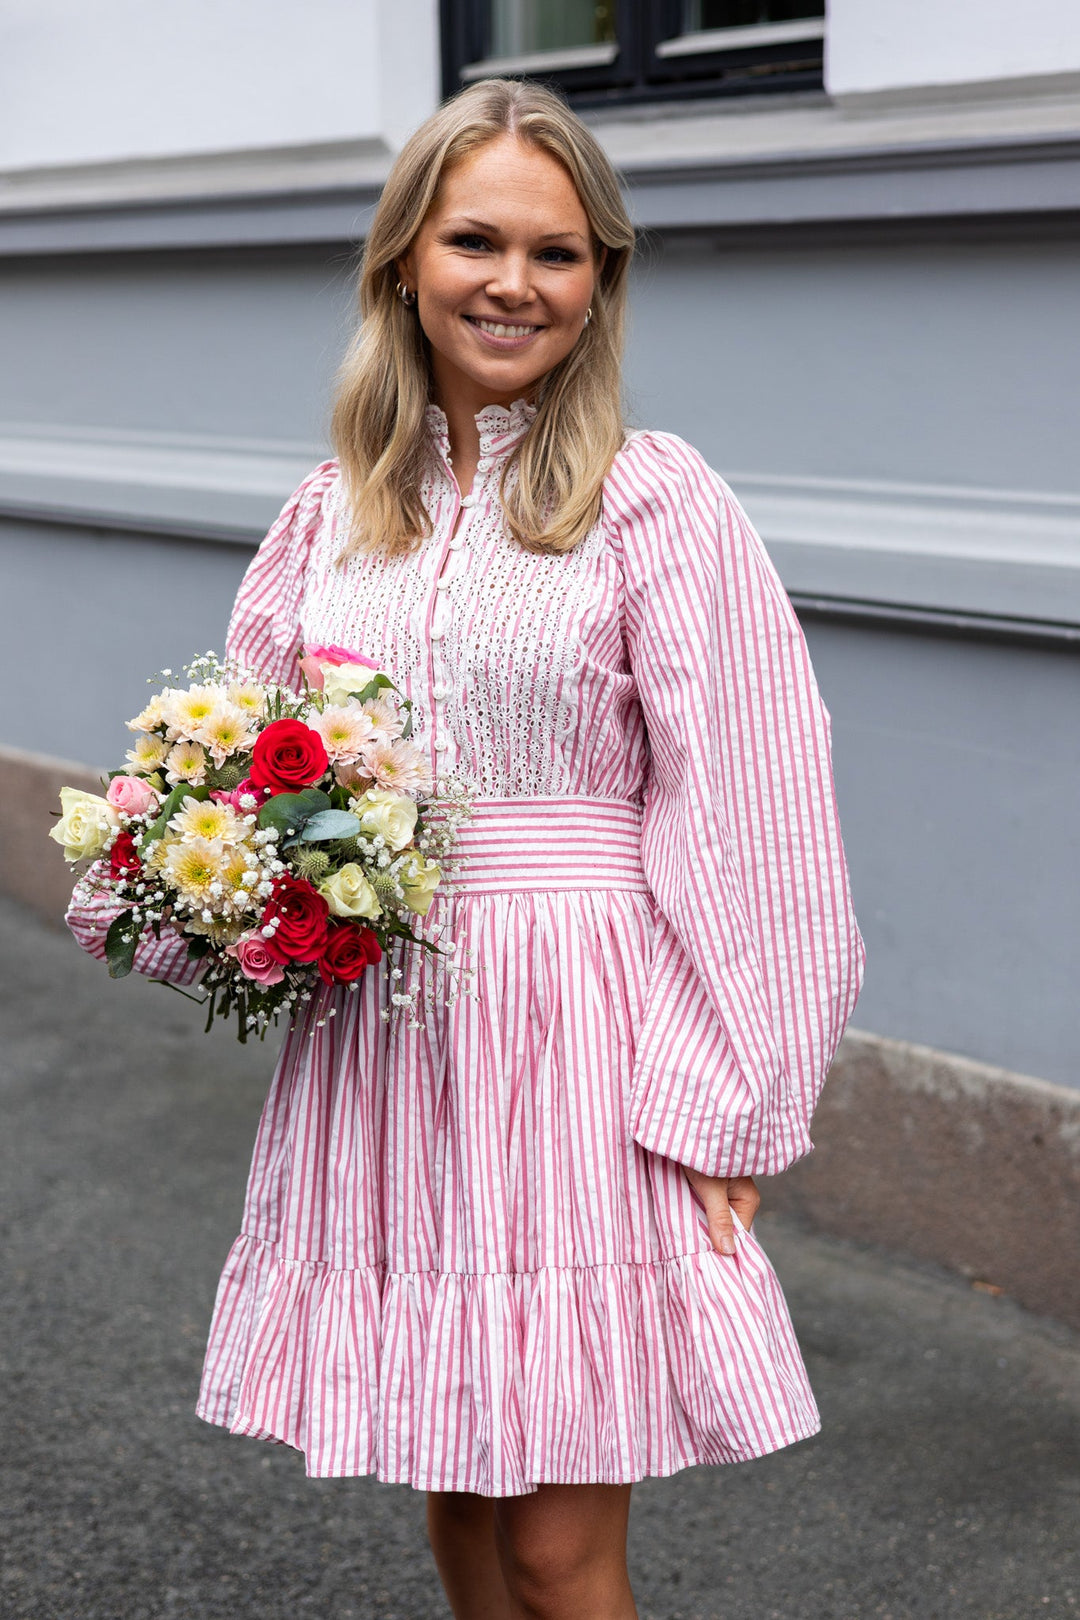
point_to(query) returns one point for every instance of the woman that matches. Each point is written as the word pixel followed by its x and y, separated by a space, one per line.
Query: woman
pixel 506 1257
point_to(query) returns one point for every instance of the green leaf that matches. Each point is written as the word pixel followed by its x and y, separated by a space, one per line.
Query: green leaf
pixel 170 806
pixel 329 824
pixel 376 684
pixel 120 943
pixel 198 946
pixel 289 813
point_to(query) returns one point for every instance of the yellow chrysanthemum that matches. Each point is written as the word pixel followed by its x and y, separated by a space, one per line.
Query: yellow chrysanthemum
pixel 152 716
pixel 187 712
pixel 207 819
pixel 147 754
pixel 233 870
pixel 186 762
pixel 228 731
pixel 249 696
pixel 193 865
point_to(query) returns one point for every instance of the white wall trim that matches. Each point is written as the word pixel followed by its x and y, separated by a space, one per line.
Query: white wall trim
pixel 1005 553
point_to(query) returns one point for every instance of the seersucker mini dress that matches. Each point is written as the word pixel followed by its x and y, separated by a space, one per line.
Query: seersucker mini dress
pixel 470 1259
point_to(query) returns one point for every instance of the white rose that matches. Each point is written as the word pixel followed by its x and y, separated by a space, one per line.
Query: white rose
pixel 419 878
pixel 86 824
pixel 342 681
pixel 349 894
pixel 381 810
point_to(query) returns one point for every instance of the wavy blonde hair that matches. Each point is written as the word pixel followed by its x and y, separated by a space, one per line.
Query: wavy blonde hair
pixel 379 428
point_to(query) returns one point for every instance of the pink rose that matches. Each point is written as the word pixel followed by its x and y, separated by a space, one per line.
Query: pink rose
pixel 245 790
pixel 316 657
pixel 131 795
pixel 255 960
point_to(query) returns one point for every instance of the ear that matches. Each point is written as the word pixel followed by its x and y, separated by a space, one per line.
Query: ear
pixel 404 268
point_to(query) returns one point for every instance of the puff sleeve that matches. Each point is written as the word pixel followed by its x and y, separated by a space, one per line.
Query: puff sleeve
pixel 264 630
pixel 264 634
pixel 757 957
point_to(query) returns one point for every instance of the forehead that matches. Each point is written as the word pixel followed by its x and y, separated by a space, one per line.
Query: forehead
pixel 507 178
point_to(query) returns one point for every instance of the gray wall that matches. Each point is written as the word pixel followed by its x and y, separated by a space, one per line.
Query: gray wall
pixel 925 361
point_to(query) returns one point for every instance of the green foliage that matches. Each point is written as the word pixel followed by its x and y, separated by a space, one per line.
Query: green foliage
pixel 120 943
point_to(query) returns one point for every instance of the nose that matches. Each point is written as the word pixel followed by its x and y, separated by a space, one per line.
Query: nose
pixel 509 281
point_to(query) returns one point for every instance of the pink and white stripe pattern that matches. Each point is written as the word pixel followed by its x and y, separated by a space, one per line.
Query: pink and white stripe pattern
pixel 470 1259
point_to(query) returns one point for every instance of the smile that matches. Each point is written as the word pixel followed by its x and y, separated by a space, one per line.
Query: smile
pixel 502 332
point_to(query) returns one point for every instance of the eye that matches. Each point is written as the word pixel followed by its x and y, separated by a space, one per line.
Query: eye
pixel 558 255
pixel 469 240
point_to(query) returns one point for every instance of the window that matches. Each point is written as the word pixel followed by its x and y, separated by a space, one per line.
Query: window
pixel 637 50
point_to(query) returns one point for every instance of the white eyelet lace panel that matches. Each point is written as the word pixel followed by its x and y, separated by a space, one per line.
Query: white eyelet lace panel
pixel 518 635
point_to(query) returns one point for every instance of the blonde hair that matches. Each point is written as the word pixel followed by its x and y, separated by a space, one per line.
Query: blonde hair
pixel 379 427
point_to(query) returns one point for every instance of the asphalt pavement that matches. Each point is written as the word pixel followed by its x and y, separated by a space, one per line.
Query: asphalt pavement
pixel 945 1484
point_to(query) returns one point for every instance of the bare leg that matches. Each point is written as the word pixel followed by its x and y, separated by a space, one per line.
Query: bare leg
pixel 563 1552
pixel 461 1529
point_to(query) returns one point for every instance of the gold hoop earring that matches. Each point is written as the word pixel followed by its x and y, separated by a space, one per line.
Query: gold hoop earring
pixel 405 295
pixel 588 315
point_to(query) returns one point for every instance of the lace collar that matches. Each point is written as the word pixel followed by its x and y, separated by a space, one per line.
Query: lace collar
pixel 501 427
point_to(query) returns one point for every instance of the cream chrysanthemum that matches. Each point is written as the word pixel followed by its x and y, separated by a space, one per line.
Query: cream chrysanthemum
pixel 386 721
pixel 187 712
pixel 194 866
pixel 398 765
pixel 345 730
pixel 238 896
pixel 186 762
pixel 151 717
pixel 228 731
pixel 147 754
pixel 249 696
pixel 208 819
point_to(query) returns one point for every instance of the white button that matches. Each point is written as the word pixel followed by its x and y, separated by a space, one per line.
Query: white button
pixel 456 544
pixel 442 741
pixel 468 500
pixel 437 634
pixel 441 694
pixel 442 584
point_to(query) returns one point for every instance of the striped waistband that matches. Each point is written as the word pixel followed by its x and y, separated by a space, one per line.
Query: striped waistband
pixel 549 843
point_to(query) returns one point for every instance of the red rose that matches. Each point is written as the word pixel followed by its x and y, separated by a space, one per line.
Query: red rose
pixel 123 858
pixel 302 917
pixel 347 952
pixel 288 755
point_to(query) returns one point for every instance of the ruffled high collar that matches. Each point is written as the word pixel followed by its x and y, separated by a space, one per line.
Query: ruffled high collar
pixel 501 427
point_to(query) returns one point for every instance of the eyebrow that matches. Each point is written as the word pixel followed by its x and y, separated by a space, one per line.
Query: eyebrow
pixel 493 230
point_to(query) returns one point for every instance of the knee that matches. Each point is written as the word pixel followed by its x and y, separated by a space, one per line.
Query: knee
pixel 542 1571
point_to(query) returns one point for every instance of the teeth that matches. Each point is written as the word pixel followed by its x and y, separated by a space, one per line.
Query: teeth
pixel 497 329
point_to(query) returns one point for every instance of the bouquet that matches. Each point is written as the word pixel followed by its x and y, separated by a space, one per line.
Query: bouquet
pixel 290 837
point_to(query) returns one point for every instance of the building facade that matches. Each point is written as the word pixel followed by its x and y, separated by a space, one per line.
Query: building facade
pixel 858 294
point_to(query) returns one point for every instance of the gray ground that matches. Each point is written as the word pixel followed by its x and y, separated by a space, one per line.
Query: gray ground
pixel 946 1484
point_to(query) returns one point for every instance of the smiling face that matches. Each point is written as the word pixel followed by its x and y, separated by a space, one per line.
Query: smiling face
pixel 504 271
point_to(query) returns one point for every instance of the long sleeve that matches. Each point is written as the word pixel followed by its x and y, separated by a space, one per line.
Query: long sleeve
pixel 89 913
pixel 757 956
pixel 264 630
pixel 264 633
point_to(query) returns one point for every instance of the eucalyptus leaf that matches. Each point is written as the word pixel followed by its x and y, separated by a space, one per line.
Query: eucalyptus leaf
pixel 330 824
pixel 289 813
pixel 120 943
pixel 376 684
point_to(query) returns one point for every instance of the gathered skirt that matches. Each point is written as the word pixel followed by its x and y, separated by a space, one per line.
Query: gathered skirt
pixel 457 1269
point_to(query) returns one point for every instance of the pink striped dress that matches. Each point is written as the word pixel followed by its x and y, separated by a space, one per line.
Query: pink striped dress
pixel 470 1259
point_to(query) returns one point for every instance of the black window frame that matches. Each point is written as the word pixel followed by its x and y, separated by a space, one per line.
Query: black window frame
pixel 640 72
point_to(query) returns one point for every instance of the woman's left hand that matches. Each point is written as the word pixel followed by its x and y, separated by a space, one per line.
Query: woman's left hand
pixel 720 1195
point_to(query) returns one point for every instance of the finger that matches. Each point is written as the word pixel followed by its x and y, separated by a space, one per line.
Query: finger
pixel 721 1225
pixel 745 1199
